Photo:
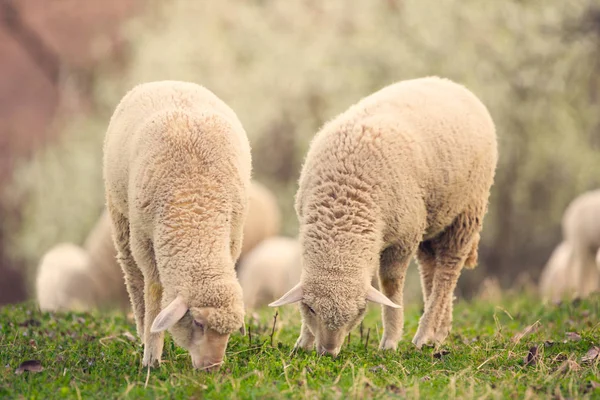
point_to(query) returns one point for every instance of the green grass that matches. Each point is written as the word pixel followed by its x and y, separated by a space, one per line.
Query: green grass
pixel 93 356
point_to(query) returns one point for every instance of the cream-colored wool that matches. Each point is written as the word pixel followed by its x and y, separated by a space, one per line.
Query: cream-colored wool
pixel 581 229
pixel 557 279
pixel 91 282
pixel 104 267
pixel 63 282
pixel 405 171
pixel 177 170
pixel 264 217
pixel 269 270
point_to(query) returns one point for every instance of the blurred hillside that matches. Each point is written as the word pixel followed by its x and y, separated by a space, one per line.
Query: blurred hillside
pixel 287 67
pixel 49 53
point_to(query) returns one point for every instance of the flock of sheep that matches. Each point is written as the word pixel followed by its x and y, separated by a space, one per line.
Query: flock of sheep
pixel 405 172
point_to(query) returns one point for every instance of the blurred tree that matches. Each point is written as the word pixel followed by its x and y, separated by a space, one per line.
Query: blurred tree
pixel 287 67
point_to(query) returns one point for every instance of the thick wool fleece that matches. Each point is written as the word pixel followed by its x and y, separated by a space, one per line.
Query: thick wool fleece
pixel 269 270
pixel 581 229
pixel 63 282
pixel 406 170
pixel 264 217
pixel 103 267
pixel 177 170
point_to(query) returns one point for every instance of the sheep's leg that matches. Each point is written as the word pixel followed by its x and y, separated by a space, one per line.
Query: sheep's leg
pixel 394 262
pixel 153 342
pixel 134 279
pixel 306 341
pixel 426 258
pixel 452 248
pixel 588 278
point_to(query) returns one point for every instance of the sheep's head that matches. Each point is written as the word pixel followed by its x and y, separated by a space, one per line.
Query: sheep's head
pixel 199 330
pixel 330 314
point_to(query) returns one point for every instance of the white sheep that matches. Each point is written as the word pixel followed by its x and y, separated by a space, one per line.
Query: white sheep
pixel 63 282
pixel 581 230
pixel 90 277
pixel 177 170
pixel 269 270
pixel 264 217
pixel 405 171
pixel 104 267
pixel 557 279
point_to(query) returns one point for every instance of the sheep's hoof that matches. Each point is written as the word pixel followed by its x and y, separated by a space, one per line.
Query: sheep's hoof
pixel 388 344
pixel 441 334
pixel 422 339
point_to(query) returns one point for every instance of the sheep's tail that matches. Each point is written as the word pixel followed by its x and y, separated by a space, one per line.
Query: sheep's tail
pixel 471 261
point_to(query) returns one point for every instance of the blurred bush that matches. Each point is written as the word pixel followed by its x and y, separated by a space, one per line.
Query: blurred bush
pixel 287 67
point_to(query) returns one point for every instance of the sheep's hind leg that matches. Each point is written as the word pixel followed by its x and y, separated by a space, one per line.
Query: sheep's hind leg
pixel 452 248
pixel 134 279
pixel 392 271
pixel 306 341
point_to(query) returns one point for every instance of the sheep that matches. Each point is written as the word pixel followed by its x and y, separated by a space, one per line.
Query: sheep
pixel 177 169
pixel 557 279
pixel 269 270
pixel 264 218
pixel 405 171
pixel 103 266
pixel 63 282
pixel 90 277
pixel 581 229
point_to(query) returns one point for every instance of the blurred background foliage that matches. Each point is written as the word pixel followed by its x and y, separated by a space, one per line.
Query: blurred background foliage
pixel 286 67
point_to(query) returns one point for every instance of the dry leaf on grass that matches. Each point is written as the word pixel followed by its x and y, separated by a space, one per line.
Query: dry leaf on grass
pixel 591 355
pixel 129 336
pixel 573 336
pixel 378 368
pixel 30 366
pixel 533 356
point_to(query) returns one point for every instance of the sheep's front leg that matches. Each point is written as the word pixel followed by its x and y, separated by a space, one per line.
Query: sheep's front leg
pixel 153 341
pixel 306 341
pixel 393 265
pixel 134 279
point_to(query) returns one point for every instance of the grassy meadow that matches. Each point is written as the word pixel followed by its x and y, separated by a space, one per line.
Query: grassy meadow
pixel 512 348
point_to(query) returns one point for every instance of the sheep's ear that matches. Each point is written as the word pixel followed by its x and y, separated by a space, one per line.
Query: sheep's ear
pixel 376 296
pixel 170 315
pixel 293 296
pixel 243 329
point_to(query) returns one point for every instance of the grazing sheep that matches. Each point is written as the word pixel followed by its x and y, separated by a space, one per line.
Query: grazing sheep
pixel 269 270
pixel 63 282
pixel 405 171
pixel 104 267
pixel 89 278
pixel 557 279
pixel 581 229
pixel 177 170
pixel 264 218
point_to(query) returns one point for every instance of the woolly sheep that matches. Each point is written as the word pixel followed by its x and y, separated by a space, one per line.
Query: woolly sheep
pixel 63 282
pixel 269 270
pixel 581 229
pixel 177 170
pixel 557 279
pixel 264 218
pixel 104 267
pixel 407 170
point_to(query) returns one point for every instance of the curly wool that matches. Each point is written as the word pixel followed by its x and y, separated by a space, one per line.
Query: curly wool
pixel 407 166
pixel 177 172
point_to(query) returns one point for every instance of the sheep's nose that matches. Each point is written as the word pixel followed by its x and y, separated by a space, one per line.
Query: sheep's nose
pixel 331 350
